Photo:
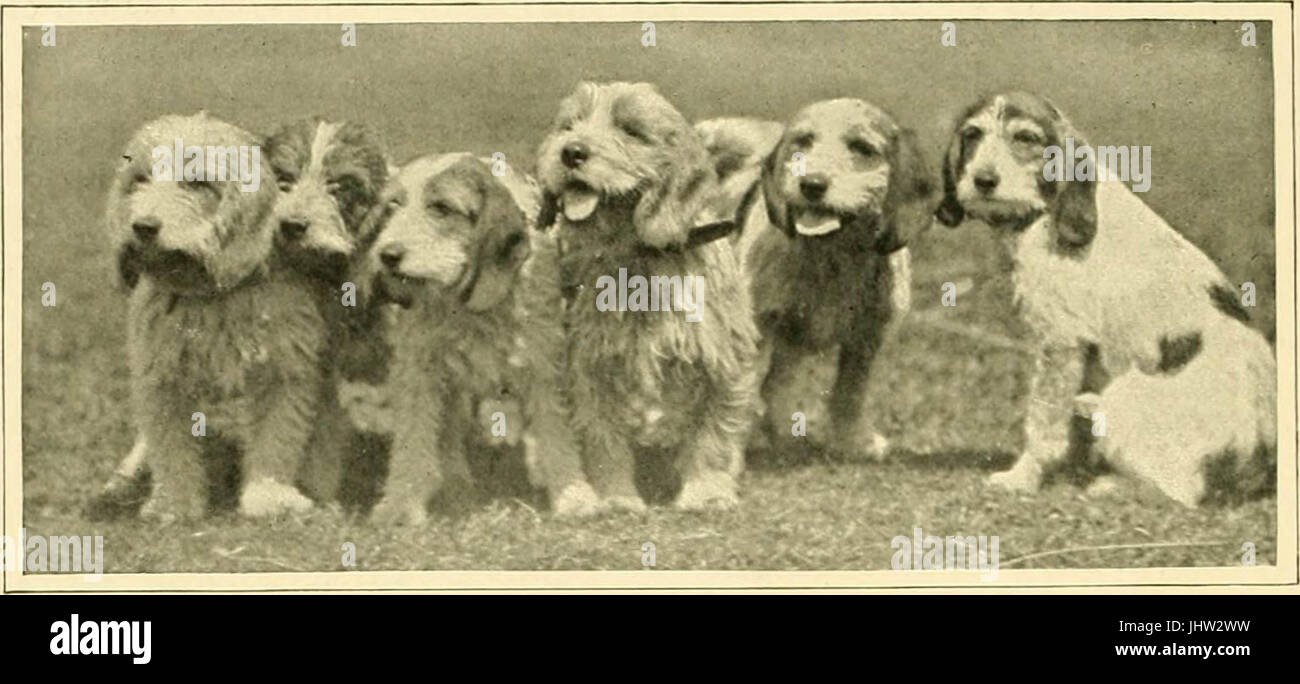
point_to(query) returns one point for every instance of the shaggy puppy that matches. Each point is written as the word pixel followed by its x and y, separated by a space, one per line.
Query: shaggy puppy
pixel 224 352
pixel 626 178
pixel 330 176
pixel 482 327
pixel 1110 289
pixel 825 252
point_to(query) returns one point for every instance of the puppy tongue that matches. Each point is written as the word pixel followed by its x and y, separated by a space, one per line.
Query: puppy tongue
pixel 580 203
pixel 816 225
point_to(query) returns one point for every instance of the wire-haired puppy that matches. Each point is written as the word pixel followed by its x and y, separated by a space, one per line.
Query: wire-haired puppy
pixel 626 179
pixel 330 176
pixel 826 253
pixel 224 353
pixel 1111 290
pixel 482 323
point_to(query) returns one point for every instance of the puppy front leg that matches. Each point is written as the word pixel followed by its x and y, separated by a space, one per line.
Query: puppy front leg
pixel 180 488
pixel 127 488
pixel 420 443
pixel 1058 376
pixel 715 454
pixel 608 454
pixel 852 433
pixel 274 452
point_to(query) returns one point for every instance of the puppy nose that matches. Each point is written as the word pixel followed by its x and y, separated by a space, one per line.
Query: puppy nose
pixel 391 256
pixel 293 229
pixel 574 154
pixel 814 187
pixel 986 180
pixel 146 229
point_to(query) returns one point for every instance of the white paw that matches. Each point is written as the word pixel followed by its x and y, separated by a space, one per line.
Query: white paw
pixel 870 448
pixel 392 512
pixel 576 500
pixel 1017 479
pixel 1086 404
pixel 708 491
pixel 266 497
pixel 631 504
pixel 1103 487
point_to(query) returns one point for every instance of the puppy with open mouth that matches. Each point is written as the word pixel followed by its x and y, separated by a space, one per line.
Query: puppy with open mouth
pixel 825 253
pixel 481 325
pixel 626 183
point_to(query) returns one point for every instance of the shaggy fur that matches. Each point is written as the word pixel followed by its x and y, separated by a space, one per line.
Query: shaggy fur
pixel 212 329
pixel 481 333
pixel 330 176
pixel 625 178
pixel 825 254
pixel 1111 290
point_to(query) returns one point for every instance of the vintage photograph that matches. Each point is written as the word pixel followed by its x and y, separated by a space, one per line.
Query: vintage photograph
pixel 887 295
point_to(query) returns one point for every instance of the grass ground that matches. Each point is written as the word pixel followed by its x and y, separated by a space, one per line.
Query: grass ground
pixel 945 391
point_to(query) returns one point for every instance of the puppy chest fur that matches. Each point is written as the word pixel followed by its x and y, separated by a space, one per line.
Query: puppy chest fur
pixel 229 356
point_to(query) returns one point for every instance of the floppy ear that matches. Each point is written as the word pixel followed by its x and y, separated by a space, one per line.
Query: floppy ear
pixel 501 246
pixel 771 188
pixel 907 211
pixel 128 264
pixel 666 212
pixel 950 212
pixel 1075 210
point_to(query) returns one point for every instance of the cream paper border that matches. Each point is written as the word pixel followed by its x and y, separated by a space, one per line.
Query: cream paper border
pixel 1270 580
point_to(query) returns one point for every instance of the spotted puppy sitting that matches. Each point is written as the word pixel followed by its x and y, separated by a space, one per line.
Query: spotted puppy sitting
pixel 1110 290
pixel 482 322
pixel 626 180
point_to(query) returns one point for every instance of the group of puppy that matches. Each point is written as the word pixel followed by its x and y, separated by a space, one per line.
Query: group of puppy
pixel 475 321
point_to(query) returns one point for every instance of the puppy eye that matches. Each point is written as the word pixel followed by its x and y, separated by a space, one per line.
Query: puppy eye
pixel 285 182
pixel 635 132
pixel 805 140
pixel 441 208
pixel 863 148
pixel 206 187
pixel 346 184
pixel 971 135
pixel 1028 137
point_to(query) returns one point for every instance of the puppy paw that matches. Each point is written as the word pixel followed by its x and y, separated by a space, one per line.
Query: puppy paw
pixel 394 511
pixel 1086 404
pixel 1018 479
pixel 122 497
pixel 869 448
pixel 166 508
pixel 708 491
pixel 576 500
pixel 630 504
pixel 266 497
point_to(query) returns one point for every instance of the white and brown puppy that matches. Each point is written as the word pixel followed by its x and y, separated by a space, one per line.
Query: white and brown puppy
pixel 482 323
pixel 330 175
pixel 224 352
pixel 1103 281
pixel 825 253
pixel 625 180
